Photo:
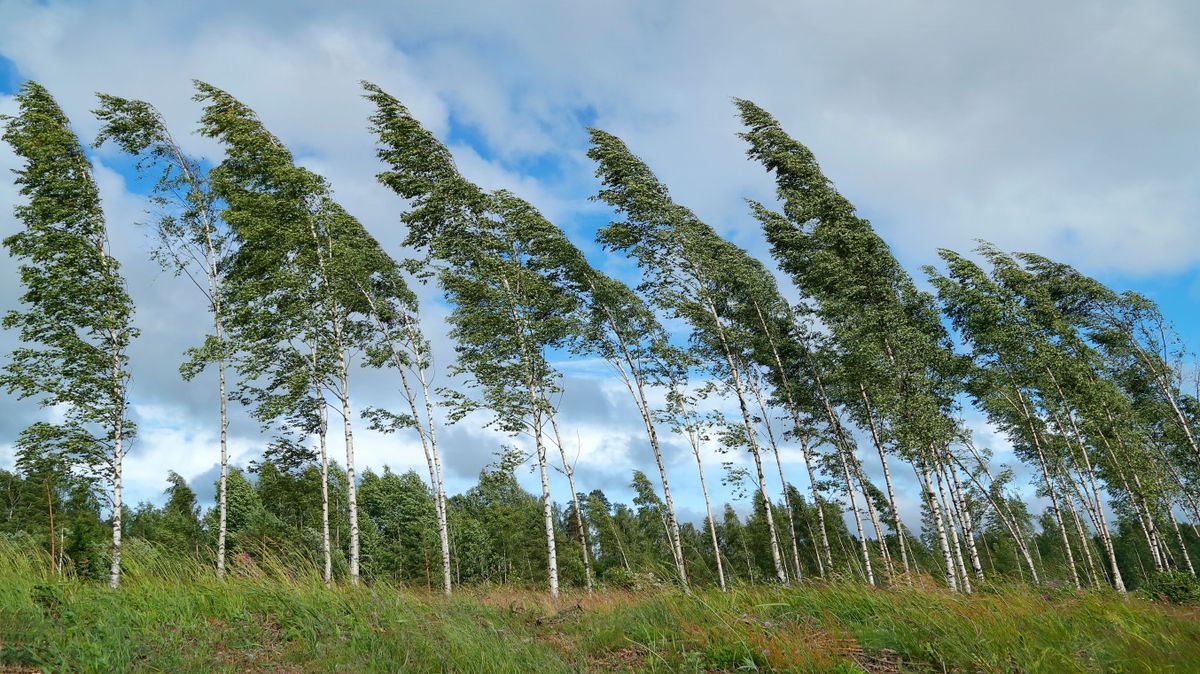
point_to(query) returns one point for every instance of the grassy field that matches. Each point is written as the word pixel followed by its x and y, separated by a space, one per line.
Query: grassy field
pixel 174 617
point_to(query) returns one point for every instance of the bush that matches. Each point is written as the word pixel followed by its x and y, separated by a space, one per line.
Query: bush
pixel 617 577
pixel 1177 587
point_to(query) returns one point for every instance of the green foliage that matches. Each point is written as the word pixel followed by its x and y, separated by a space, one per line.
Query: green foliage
pixel 77 322
pixel 1177 587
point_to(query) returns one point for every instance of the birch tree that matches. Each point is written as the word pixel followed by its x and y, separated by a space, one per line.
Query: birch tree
pixel 191 240
pixel 297 275
pixel 401 345
pixel 77 320
pixel 887 332
pixel 684 265
pixel 498 262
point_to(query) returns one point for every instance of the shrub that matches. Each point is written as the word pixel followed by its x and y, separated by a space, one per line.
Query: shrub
pixel 1177 587
pixel 618 577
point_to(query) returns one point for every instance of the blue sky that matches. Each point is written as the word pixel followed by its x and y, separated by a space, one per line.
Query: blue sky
pixel 1067 130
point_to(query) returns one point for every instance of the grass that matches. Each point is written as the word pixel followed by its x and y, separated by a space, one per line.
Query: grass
pixel 173 616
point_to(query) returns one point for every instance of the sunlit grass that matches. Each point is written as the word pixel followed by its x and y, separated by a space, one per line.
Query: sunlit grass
pixel 173 615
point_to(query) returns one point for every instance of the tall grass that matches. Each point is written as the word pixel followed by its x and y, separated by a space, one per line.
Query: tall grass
pixel 276 615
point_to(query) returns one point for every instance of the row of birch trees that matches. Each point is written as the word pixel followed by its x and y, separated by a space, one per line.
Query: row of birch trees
pixel 866 369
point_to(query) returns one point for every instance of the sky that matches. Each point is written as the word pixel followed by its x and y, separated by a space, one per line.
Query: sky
pixel 1067 129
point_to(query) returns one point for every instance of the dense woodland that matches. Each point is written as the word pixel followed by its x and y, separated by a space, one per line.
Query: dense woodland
pixel 1090 385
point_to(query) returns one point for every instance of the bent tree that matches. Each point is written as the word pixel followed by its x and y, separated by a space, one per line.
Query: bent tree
pixel 76 324
pixel 191 240
pixel 494 257
pixel 888 334
pixel 684 265
pixel 399 343
pixel 296 306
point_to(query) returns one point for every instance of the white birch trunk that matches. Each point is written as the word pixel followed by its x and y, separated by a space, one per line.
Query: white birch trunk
pixel 547 508
pixel 426 430
pixel 1187 558
pixel 968 525
pixel 114 571
pixel 435 476
pixel 570 473
pixel 694 440
pixel 351 486
pixel 1058 515
pixel 868 572
pixel 776 556
pixel 955 545
pixel 322 429
pixel 633 381
pixel 1085 543
pixel 1103 530
pixel 223 484
pixel 1005 516
pixel 873 515
pixel 787 503
pixel 804 447
pixel 939 525
pixel 897 523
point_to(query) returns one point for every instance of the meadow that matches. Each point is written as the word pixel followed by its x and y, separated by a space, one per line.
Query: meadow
pixel 172 615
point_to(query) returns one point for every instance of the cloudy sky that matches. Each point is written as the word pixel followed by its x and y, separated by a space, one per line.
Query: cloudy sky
pixel 1069 129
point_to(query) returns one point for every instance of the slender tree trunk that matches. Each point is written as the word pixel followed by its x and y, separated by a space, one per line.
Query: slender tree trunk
pixel 735 374
pixel 1037 445
pixel 425 431
pixel 439 488
pixel 862 537
pixel 939 526
pixel 887 478
pixel 620 548
pixel 1147 526
pixel 223 483
pixel 1006 518
pixel 787 502
pixel 1105 535
pixel 822 561
pixel 790 515
pixel 118 396
pixel 322 428
pixel 965 516
pixel 535 399
pixel 1152 526
pixel 570 473
pixel 804 446
pixel 212 270
pixel 873 515
pixel 634 382
pixel 351 486
pixel 712 523
pixel 547 506
pixel 114 571
pixel 955 546
pixel 1164 386
pixel 1084 543
pixel 1187 558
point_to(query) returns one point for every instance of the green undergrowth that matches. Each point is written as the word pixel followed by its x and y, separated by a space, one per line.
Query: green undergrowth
pixel 174 616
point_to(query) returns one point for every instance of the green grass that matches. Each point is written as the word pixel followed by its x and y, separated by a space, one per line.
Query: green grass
pixel 173 616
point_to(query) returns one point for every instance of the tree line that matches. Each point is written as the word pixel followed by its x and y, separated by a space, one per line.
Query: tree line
pixel 1090 385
